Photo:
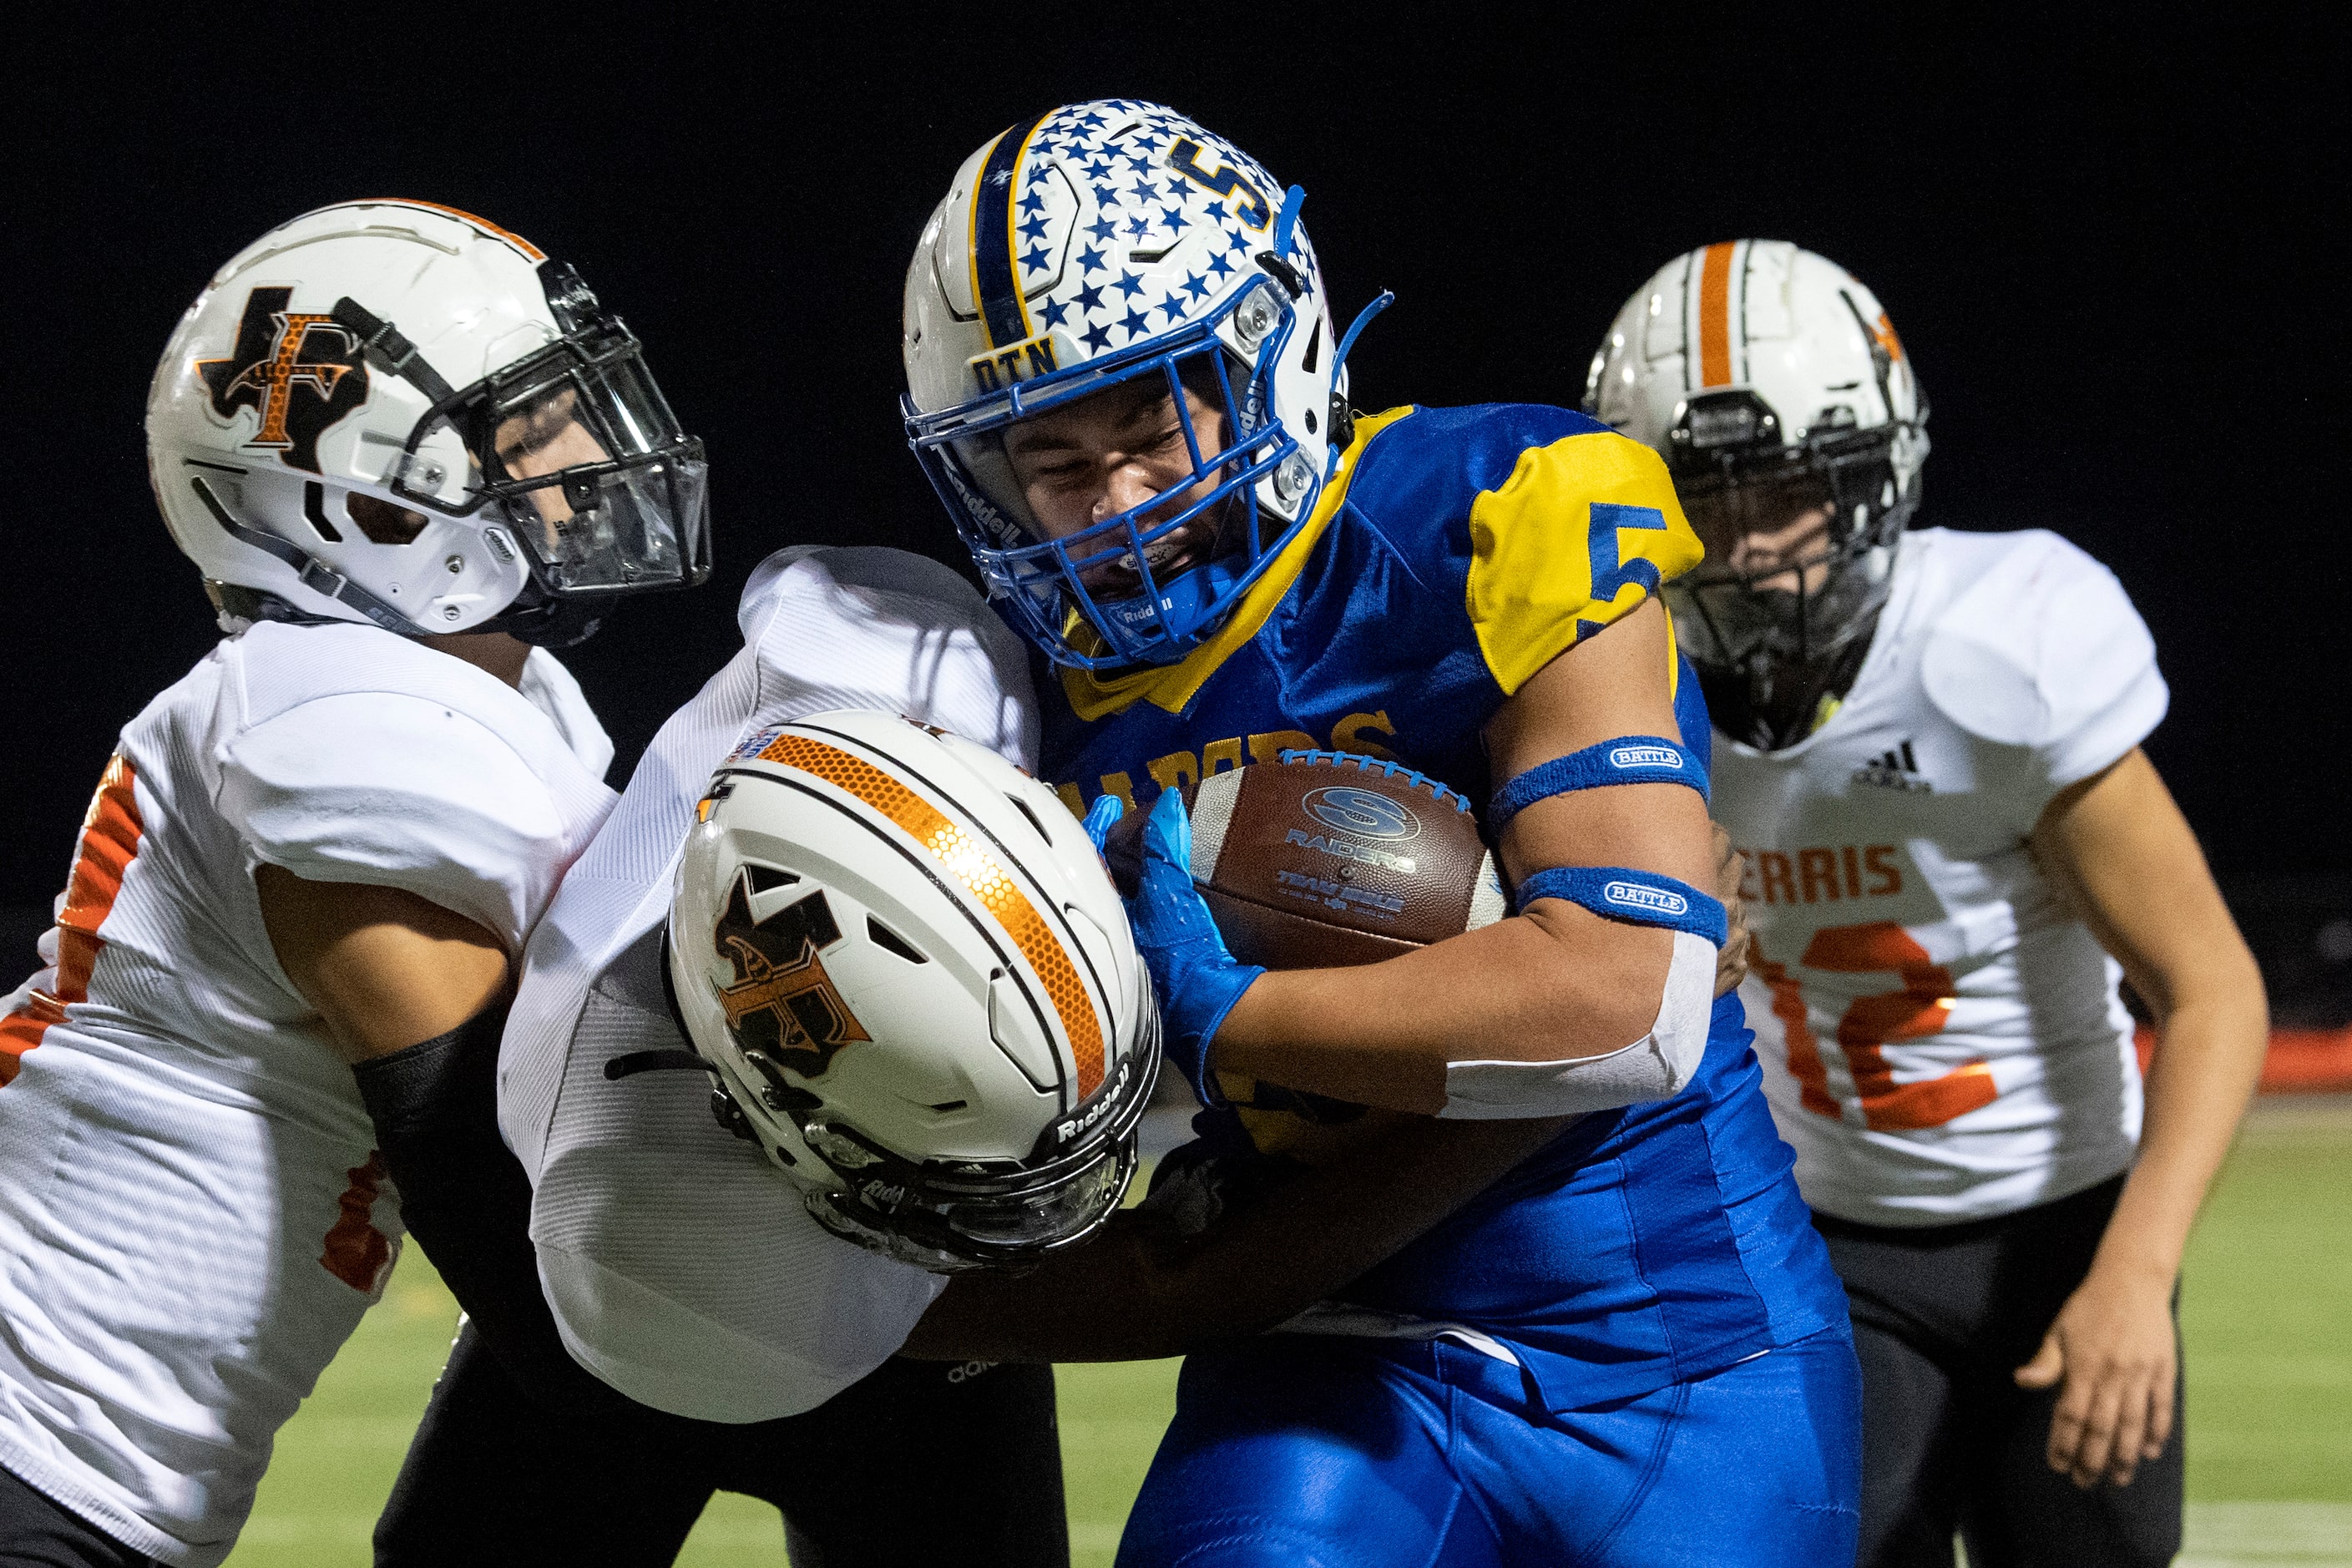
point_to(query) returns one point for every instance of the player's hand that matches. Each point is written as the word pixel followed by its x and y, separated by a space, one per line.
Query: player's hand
pixel 2113 1347
pixel 1731 963
pixel 1194 976
pixel 1100 819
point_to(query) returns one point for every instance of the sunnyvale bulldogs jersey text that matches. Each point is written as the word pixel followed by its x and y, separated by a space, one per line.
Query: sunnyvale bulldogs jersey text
pixel 1455 554
pixel 1942 1038
pixel 681 1266
pixel 190 1202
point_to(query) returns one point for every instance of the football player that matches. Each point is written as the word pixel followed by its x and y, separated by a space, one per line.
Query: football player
pixel 1126 384
pixel 408 453
pixel 1929 750
pixel 684 1273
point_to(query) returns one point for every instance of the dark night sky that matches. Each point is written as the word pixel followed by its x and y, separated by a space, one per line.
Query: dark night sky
pixel 2104 250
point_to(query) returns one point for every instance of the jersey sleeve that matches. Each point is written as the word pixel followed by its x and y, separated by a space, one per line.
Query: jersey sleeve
pixel 1553 525
pixel 870 627
pixel 550 687
pixel 683 1270
pixel 2045 653
pixel 1582 530
pixel 399 792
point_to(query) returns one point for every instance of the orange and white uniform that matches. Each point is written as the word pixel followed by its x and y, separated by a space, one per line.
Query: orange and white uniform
pixel 681 1267
pixel 1942 1040
pixel 191 1211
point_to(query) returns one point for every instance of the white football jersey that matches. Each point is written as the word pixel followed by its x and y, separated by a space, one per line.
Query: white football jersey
pixel 190 1207
pixel 1941 1039
pixel 680 1265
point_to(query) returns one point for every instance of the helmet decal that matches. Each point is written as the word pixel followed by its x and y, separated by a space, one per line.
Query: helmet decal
pixel 277 354
pixel 1249 204
pixel 979 872
pixel 1715 314
pixel 783 1003
pixel 998 227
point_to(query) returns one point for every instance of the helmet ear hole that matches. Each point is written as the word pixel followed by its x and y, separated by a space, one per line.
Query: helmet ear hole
pixel 382 522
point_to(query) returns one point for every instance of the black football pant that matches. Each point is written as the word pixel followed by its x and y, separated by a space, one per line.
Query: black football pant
pixel 38 1534
pixel 1943 1316
pixel 920 1463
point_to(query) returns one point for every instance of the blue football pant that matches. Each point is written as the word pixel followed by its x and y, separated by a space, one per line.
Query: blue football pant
pixel 1327 1453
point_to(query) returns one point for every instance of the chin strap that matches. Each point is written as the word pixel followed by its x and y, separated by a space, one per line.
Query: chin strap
pixel 1794 700
pixel 390 352
pixel 316 574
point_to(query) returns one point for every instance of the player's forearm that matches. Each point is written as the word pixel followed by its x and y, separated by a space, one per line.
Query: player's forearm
pixel 2209 1055
pixel 1138 1293
pixel 1554 984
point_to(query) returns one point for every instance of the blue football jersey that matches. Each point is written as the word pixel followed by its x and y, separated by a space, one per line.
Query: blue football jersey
pixel 1454 554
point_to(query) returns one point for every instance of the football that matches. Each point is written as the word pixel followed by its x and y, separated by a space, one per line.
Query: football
pixel 1327 859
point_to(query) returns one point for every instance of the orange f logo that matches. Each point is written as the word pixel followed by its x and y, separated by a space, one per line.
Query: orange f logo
pixel 783 1003
pixel 278 352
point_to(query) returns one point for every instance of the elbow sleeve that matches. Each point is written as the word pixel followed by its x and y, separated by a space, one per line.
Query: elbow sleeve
pixel 466 1199
pixel 1652 1067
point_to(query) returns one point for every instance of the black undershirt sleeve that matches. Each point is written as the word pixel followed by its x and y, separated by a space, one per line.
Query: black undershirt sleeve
pixel 464 1197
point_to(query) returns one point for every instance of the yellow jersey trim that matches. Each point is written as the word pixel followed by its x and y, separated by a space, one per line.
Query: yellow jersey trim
pixel 1530 590
pixel 1093 695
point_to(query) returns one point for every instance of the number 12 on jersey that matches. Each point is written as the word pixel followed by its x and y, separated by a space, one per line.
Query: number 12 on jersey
pixel 1919 1008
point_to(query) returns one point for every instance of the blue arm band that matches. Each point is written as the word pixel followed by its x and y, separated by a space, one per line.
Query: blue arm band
pixel 1627 760
pixel 1621 893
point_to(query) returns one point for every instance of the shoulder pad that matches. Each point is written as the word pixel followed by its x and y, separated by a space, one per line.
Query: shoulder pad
pixel 403 791
pixel 2040 643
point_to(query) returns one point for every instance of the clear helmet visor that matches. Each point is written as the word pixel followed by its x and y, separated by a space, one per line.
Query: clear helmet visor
pixel 1045 1218
pixel 603 490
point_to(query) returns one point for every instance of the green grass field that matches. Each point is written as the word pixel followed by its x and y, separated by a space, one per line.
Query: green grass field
pixel 2267 1312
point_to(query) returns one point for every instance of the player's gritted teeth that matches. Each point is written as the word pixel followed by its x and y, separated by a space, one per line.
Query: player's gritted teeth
pixel 1113 453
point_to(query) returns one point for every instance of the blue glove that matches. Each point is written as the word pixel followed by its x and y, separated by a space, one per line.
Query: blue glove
pixel 1100 819
pixel 1196 979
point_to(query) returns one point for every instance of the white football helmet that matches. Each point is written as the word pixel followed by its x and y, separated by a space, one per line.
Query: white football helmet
pixel 397 413
pixel 1095 244
pixel 916 984
pixel 1772 381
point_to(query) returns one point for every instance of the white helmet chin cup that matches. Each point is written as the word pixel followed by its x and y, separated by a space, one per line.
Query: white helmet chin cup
pixel 1771 381
pixel 914 981
pixel 396 413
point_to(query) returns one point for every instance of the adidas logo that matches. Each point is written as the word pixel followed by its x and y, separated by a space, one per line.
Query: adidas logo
pixel 1898 769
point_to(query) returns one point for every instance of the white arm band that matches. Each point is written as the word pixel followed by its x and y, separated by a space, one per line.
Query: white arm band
pixel 1654 1067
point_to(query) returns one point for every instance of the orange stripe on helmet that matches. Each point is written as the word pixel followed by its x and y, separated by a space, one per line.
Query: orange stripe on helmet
pixel 484 225
pixel 961 857
pixel 1715 314
pixel 109 839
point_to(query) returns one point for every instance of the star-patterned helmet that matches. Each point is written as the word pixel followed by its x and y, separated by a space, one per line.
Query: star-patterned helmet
pixel 1095 245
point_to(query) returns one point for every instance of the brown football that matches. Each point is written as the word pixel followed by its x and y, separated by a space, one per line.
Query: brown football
pixel 1326 859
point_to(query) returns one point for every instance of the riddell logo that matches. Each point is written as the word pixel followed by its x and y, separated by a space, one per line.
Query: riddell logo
pixel 301 371
pixel 1066 1130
